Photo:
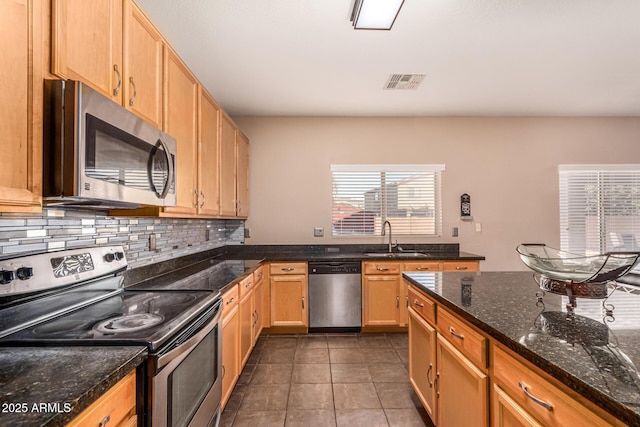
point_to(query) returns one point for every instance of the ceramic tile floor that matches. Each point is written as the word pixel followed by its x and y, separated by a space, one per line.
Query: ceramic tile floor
pixel 326 380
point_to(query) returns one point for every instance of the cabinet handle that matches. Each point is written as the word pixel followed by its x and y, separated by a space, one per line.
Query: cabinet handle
pixel 203 199
pixel 224 371
pixel 117 89
pixel 397 301
pixel 231 300
pixel 461 268
pixel 429 372
pixel 195 205
pixel 246 285
pixel 382 269
pixel 453 333
pixel 253 315
pixel 303 303
pixel 407 300
pixel 287 269
pixel 415 302
pixel 422 268
pixel 133 98
pixel 105 420
pixel 540 402
pixel 435 385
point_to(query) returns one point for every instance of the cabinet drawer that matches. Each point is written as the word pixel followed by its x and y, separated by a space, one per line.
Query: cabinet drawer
pixel 422 305
pixel 118 403
pixel 246 285
pixel 277 268
pixel 381 268
pixel 230 299
pixel 537 396
pixel 258 275
pixel 421 266
pixel 471 343
pixel 460 266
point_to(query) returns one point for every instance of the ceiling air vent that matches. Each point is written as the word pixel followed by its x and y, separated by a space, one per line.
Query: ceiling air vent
pixel 404 81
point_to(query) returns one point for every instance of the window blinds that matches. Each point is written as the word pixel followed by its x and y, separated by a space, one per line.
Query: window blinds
pixel 599 208
pixel 364 196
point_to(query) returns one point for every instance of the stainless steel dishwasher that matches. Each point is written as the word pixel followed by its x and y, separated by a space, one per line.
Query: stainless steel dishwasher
pixel 335 297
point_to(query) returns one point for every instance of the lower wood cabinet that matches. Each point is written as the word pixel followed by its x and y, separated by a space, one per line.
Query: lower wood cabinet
pixel 522 397
pixel 462 389
pixel 288 295
pixel 381 299
pixel 453 388
pixel 116 407
pixel 422 361
pixel 230 343
pixel 247 316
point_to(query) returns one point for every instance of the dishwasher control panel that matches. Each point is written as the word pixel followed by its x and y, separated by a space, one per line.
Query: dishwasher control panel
pixel 335 268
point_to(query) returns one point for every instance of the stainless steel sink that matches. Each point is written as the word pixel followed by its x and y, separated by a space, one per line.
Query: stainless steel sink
pixel 396 254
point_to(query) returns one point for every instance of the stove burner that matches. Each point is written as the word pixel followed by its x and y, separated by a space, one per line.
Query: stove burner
pixel 128 323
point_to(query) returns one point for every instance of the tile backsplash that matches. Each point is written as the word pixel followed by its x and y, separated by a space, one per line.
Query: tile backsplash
pixel 67 229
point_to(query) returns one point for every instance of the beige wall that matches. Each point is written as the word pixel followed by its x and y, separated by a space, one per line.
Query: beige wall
pixel 507 165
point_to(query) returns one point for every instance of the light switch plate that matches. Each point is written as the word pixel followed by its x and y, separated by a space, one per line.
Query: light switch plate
pixel 318 231
pixel 454 232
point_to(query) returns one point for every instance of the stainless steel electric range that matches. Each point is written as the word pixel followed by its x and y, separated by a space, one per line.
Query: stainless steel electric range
pixel 77 297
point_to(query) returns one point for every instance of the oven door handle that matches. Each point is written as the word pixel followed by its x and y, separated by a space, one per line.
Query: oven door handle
pixel 175 352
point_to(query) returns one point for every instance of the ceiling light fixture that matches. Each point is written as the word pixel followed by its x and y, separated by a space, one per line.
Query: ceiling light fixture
pixel 375 14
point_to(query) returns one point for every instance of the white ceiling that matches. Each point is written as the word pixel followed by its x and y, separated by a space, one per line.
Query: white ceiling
pixel 481 57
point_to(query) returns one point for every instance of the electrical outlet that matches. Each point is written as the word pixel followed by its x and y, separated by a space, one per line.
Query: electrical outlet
pixel 247 233
pixel 478 227
pixel 318 231
pixel 454 232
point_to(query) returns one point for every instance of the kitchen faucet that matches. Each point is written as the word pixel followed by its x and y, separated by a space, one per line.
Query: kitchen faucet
pixel 384 227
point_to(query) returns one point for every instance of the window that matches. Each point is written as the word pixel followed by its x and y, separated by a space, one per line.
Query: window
pixel 599 208
pixel 365 196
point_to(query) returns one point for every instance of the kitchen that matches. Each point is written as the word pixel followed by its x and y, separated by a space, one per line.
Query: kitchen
pixel 510 171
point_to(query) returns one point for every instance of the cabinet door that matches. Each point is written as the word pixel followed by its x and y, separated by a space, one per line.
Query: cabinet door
pixel 208 151
pixel 289 300
pixel 462 389
pixel 20 107
pixel 181 93
pixel 142 83
pixel 461 266
pixel 381 300
pixel 230 348
pixel 242 174
pixel 422 361
pixel 258 304
pixel 227 166
pixel 86 44
pixel 245 310
pixel 507 413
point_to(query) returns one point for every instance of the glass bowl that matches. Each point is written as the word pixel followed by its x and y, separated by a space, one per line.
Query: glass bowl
pixel 560 265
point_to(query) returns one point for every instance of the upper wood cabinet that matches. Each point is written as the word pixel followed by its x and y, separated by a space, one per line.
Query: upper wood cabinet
pixel 21 106
pixel 142 84
pixel 112 47
pixel 208 152
pixel 181 122
pixel 227 166
pixel 242 175
pixel 86 44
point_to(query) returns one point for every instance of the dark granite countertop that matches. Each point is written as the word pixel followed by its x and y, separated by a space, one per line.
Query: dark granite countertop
pixel 593 354
pixel 353 252
pixel 67 378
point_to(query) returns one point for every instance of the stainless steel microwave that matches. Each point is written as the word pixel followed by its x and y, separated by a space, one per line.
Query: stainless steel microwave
pixel 98 155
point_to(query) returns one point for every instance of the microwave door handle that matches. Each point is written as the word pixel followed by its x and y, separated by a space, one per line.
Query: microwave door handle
pixel 170 171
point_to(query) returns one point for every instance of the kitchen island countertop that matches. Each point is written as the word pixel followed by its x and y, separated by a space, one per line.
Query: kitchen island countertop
pixel 595 354
pixel 35 380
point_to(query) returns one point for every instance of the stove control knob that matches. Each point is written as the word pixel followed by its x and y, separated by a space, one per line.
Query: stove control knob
pixel 6 277
pixel 24 273
pixel 109 257
pixel 118 256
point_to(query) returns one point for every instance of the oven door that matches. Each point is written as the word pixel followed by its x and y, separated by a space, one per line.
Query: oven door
pixel 186 378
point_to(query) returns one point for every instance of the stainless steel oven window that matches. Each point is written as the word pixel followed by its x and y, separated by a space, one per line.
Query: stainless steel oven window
pixel 191 381
pixel 117 157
